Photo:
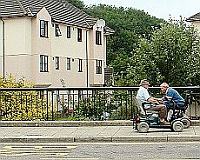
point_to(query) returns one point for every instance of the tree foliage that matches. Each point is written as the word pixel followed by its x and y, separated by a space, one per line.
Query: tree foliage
pixel 171 55
pixel 77 3
pixel 129 25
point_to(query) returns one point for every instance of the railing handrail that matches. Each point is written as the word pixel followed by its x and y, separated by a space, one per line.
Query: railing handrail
pixel 79 102
pixel 90 88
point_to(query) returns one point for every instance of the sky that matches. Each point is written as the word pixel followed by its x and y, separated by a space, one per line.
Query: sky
pixel 158 8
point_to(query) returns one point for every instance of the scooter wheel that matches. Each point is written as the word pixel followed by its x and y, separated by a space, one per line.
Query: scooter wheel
pixel 177 126
pixel 186 122
pixel 143 127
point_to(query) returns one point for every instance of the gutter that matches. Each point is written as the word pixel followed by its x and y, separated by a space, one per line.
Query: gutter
pixel 87 65
pixel 3 66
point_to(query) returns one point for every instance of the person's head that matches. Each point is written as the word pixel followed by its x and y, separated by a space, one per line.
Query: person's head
pixel 144 83
pixel 164 87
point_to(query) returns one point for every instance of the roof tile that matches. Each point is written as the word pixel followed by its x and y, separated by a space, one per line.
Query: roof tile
pixel 59 11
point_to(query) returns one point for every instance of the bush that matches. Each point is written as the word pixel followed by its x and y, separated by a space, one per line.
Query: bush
pixel 20 105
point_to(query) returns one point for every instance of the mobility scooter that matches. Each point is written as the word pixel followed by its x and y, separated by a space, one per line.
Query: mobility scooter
pixel 149 119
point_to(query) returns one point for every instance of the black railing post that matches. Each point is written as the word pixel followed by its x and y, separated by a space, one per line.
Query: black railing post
pixel 21 100
pixel 57 99
pixel 132 107
pixel 121 98
pixel 78 101
pixel 47 104
pixel 52 105
pixel 73 104
pixel 94 103
pixel 126 105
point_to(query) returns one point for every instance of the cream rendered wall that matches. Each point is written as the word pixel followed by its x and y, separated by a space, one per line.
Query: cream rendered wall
pixel 18 47
pixel 97 52
pixel 91 57
pixel 64 47
pixel 24 47
pixel 41 46
pixel 1 48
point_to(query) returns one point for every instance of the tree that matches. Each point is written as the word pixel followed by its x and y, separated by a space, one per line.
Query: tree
pixel 171 55
pixel 77 3
pixel 129 25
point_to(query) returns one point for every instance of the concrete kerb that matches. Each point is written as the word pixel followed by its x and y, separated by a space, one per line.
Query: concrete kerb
pixel 64 123
pixel 140 139
pixel 37 140
pixel 136 139
pixel 92 139
pixel 183 138
pixel 73 123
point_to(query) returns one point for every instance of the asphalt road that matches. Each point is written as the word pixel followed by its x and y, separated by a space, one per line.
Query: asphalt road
pixel 100 151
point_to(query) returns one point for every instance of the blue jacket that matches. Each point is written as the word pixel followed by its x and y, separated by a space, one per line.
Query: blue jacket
pixel 175 96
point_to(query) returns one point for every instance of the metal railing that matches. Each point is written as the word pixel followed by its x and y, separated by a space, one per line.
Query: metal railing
pixel 93 103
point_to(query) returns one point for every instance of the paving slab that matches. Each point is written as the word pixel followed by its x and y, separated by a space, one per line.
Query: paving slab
pixel 109 131
pixel 38 123
pixel 95 134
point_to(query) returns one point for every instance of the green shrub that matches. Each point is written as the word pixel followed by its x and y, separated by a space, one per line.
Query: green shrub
pixel 21 105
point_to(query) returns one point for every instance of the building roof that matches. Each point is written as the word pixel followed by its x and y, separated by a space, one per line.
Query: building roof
pixel 59 10
pixel 195 17
pixel 108 30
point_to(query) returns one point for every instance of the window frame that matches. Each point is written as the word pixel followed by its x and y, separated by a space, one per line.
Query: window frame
pixel 44 63
pixel 68 63
pixel 99 64
pixel 57 63
pixel 57 30
pixel 80 65
pixel 44 28
pixel 80 35
pixel 98 38
pixel 68 32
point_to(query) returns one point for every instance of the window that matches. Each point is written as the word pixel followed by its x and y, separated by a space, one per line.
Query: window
pixel 68 32
pixel 57 30
pixel 80 65
pixel 98 38
pixel 98 66
pixel 79 35
pixel 43 63
pixel 57 63
pixel 68 64
pixel 43 28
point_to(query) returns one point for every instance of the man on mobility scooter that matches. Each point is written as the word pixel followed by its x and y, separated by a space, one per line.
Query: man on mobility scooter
pixel 150 118
pixel 176 104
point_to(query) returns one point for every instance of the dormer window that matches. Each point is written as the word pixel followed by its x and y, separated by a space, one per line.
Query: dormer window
pixel 68 32
pixel 98 38
pixel 43 28
pixel 79 35
pixel 57 30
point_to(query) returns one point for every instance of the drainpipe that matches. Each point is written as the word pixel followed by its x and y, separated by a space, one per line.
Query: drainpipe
pixel 87 67
pixel 3 48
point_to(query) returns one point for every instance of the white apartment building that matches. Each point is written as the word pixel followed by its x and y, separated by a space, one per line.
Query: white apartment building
pixel 51 41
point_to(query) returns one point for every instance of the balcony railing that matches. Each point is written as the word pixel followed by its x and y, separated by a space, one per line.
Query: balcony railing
pixel 94 103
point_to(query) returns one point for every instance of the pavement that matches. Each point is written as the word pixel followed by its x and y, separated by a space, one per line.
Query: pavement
pixel 90 131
